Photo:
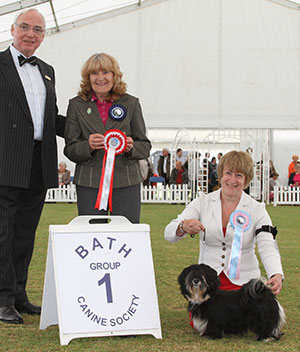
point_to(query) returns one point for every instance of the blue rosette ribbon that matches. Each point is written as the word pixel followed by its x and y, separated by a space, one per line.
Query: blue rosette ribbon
pixel 117 112
pixel 240 221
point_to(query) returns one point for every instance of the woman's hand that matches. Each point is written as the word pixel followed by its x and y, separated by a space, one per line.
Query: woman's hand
pixel 191 226
pixel 129 145
pixel 275 283
pixel 96 141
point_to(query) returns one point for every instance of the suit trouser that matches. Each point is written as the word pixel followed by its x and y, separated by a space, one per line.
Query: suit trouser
pixel 20 211
pixel 126 201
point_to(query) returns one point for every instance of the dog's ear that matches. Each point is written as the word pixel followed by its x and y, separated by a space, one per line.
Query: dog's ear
pixel 185 272
pixel 212 279
pixel 182 279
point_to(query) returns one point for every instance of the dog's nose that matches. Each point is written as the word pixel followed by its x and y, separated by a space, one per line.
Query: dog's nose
pixel 195 281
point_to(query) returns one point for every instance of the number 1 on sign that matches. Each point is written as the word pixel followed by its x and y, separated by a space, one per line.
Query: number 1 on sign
pixel 107 282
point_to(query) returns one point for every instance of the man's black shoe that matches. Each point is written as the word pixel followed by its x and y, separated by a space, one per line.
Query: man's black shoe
pixel 10 315
pixel 28 308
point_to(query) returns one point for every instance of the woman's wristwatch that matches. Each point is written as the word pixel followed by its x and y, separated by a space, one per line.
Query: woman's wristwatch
pixel 181 227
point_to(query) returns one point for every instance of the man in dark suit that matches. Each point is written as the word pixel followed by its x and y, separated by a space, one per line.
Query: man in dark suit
pixel 163 165
pixel 28 157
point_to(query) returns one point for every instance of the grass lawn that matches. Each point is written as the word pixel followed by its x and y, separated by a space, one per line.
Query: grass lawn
pixel 169 260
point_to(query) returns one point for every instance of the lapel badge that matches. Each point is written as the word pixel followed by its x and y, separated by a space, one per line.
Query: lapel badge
pixel 117 112
pixel 48 78
pixel 89 111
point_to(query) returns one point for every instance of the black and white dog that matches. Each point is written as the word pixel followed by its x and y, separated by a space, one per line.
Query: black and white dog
pixel 215 312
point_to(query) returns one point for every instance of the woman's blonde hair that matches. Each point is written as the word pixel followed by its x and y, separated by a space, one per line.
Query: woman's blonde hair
pixel 237 162
pixel 102 62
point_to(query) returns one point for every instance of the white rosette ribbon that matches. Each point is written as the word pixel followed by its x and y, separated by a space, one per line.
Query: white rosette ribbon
pixel 115 143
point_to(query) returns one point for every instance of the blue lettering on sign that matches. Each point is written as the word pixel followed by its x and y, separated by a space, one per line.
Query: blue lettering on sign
pixel 105 266
pixel 106 280
pixel 104 321
pixel 90 314
pixel 81 251
pixel 96 244
pixel 127 315
pixel 109 243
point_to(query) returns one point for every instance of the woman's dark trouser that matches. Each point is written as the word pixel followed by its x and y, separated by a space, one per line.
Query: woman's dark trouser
pixel 126 201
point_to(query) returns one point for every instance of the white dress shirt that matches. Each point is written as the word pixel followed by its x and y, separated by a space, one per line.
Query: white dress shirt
pixel 35 92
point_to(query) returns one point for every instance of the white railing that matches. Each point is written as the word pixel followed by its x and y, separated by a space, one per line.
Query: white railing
pixel 165 194
pixel 62 194
pixel 151 194
pixel 286 195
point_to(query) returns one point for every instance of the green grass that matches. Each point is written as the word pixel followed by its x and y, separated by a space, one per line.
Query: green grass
pixel 169 260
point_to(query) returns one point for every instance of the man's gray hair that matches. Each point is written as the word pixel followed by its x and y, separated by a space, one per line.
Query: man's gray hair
pixel 27 10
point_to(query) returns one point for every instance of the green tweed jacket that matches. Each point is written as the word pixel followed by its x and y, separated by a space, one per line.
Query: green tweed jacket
pixel 82 120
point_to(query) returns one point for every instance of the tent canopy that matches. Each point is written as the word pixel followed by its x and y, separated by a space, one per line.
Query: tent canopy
pixel 196 63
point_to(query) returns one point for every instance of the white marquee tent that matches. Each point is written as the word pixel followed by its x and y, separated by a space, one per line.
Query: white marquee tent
pixel 204 65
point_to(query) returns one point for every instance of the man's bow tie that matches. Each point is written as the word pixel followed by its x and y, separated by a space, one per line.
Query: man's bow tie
pixel 31 60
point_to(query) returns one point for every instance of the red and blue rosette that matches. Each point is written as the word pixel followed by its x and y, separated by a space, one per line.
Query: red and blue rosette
pixel 240 221
pixel 115 143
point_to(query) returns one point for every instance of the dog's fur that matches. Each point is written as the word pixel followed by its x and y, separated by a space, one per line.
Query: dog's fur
pixel 215 312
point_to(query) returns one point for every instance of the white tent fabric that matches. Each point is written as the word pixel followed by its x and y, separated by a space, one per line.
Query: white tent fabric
pixel 196 63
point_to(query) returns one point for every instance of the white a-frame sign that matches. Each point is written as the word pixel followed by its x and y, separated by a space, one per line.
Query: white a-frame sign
pixel 99 280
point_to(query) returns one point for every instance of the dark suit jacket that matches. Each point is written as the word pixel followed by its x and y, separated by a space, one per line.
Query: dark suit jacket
pixel 17 131
pixel 160 166
pixel 83 119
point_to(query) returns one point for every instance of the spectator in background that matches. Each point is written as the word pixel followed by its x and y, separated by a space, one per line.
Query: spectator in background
pixel 272 183
pixel 64 175
pixel 146 167
pixel 163 166
pixel 291 168
pixel 220 156
pixel 294 179
pixel 272 169
pixel 179 156
pixel 212 166
pixel 179 175
pixel 214 181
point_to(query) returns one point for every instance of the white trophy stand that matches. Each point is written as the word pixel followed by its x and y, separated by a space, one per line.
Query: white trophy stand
pixel 99 280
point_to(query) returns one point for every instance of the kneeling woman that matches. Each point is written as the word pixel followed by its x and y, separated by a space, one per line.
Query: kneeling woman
pixel 227 215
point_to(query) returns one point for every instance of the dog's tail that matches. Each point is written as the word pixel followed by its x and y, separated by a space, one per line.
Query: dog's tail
pixel 256 288
pixel 260 297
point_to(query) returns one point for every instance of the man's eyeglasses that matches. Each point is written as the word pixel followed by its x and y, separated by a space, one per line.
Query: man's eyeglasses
pixel 26 28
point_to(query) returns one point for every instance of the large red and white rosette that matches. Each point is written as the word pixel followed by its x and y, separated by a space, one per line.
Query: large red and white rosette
pixel 115 143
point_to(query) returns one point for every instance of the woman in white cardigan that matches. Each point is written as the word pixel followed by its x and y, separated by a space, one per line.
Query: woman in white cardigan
pixel 227 215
